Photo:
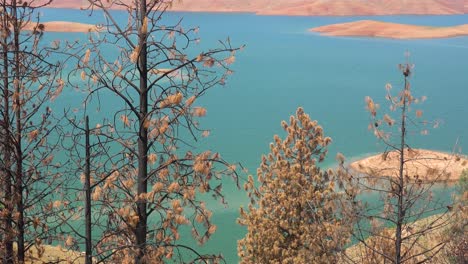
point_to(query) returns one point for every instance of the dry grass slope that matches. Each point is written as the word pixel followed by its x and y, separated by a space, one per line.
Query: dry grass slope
pixel 360 254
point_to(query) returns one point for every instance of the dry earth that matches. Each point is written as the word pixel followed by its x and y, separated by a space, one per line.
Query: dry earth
pixel 421 164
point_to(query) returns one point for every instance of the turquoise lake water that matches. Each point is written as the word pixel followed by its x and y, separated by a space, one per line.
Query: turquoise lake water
pixel 284 66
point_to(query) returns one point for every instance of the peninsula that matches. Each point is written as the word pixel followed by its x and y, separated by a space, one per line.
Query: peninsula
pixel 421 164
pixel 63 26
pixel 371 28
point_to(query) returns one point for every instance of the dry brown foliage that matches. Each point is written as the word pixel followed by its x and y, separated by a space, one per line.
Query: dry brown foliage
pixel 148 181
pixel 293 213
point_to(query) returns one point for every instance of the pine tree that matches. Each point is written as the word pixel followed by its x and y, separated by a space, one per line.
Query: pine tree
pixel 293 215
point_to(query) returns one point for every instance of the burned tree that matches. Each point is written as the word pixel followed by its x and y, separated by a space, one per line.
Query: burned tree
pixel 404 181
pixel 151 182
pixel 30 81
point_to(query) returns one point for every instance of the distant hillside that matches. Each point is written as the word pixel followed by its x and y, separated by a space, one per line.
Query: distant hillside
pixel 312 7
pixel 187 5
pixel 67 3
pixel 366 7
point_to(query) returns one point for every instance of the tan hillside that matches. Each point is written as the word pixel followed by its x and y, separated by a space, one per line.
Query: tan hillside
pixel 312 7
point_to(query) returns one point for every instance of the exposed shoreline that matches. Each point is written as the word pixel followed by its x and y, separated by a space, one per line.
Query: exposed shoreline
pixel 64 26
pixel 372 28
pixel 424 165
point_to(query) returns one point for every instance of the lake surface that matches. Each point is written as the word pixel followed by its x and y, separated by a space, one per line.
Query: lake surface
pixel 284 66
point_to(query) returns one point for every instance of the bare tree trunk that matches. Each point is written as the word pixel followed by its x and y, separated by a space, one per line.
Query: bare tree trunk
pixel 7 177
pixel 18 145
pixel 400 192
pixel 89 253
pixel 19 185
pixel 141 228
